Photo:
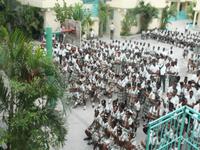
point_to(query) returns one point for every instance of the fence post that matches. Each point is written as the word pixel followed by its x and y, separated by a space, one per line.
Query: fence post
pixel 182 127
pixel 148 137
pixel 48 31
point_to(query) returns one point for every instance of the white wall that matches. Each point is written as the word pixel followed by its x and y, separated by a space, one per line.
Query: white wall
pixel 95 26
pixel 118 17
pixel 124 4
pixel 50 20
pixel 157 3
pixel 197 8
pixel 156 22
pixel 136 29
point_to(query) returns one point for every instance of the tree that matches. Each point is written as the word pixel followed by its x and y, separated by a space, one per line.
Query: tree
pixel 29 84
pixel 103 16
pixel 128 21
pixel 26 18
pixel 79 14
pixel 190 11
pixel 63 13
pixel 146 12
pixel 86 23
pixel 167 13
pixel 75 12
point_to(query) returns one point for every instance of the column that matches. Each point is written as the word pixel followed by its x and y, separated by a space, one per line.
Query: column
pixel 48 31
pixel 195 18
pixel 50 19
pixel 178 6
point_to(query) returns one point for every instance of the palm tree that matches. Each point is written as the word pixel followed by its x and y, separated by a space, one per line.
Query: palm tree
pixel 128 21
pixel 29 83
pixel 167 13
pixel 78 12
pixel 86 23
pixel 63 13
pixel 28 19
pixel 75 12
pixel 190 10
pixel 146 12
pixel 85 18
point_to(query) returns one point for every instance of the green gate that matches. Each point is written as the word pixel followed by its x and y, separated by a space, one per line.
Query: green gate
pixel 178 130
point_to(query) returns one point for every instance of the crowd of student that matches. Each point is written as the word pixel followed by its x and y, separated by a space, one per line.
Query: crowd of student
pixel 187 40
pixel 128 79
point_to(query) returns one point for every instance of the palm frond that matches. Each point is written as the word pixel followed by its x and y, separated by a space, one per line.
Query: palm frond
pixel 57 127
pixel 5 92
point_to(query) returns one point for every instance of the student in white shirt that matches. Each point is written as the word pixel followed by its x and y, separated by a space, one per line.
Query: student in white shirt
pixel 163 70
pixel 175 99
pixel 197 106
pixel 137 106
pixel 112 30
pixel 191 101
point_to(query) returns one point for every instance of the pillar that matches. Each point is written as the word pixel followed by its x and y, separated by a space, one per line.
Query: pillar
pixel 195 18
pixel 48 35
pixel 178 6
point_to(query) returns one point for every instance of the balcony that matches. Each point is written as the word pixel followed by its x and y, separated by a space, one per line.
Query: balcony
pixel 177 130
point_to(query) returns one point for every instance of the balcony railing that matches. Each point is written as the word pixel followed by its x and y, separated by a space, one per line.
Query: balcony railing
pixel 177 130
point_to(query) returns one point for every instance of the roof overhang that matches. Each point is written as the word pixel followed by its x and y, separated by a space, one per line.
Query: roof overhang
pixel 48 3
pixel 125 4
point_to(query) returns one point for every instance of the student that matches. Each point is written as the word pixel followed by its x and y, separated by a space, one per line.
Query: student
pixel 92 34
pixel 112 30
pixel 163 71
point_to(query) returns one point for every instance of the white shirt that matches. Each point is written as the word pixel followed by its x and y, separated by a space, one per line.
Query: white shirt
pixel 60 51
pixel 163 70
pixel 63 52
pixel 191 100
pixel 197 107
pixel 137 106
pixel 154 69
pixel 175 101
pixel 112 27
pixel 92 34
pixel 174 69
pixel 152 96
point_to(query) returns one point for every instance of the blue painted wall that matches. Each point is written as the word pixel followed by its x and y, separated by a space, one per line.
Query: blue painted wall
pixel 95 3
pixel 180 16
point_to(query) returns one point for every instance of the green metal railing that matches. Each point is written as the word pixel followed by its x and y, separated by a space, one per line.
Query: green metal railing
pixel 178 130
pixel 49 43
